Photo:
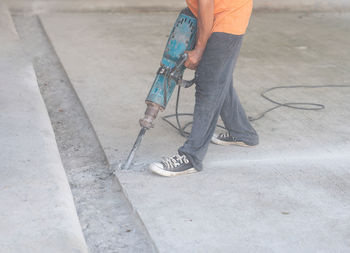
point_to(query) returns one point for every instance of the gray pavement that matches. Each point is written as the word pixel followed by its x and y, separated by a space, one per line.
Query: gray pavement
pixel 289 194
pixel 37 212
pixel 43 6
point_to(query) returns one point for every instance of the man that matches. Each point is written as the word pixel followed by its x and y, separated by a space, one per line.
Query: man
pixel 220 28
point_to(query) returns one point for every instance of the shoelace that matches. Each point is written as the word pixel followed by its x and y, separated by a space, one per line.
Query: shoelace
pixel 225 135
pixel 174 161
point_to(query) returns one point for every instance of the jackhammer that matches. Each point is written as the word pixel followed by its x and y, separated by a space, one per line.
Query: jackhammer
pixel 182 38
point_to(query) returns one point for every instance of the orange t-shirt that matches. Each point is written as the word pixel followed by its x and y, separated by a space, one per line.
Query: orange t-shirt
pixel 230 16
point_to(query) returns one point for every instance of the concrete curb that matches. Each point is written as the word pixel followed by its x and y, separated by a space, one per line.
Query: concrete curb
pixel 38 212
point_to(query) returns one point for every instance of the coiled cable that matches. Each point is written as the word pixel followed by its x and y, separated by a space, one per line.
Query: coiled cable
pixel 293 105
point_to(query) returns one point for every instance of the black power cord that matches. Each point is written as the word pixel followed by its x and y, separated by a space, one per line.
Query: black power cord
pixel 292 105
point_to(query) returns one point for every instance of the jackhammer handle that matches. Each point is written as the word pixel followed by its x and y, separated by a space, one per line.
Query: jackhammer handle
pixel 185 83
pixel 182 60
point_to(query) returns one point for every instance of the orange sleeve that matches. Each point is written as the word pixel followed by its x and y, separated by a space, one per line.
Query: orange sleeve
pixel 229 16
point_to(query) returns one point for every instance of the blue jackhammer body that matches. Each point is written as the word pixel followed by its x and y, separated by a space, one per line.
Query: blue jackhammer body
pixel 182 38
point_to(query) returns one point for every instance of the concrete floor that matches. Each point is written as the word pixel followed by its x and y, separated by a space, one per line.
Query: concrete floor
pixel 289 194
pixel 43 6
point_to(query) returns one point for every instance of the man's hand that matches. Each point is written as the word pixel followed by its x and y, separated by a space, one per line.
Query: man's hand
pixel 193 59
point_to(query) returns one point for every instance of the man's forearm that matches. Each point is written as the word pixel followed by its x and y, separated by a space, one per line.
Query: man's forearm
pixel 205 23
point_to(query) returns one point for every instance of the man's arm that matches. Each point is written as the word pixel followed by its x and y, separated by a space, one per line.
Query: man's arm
pixel 204 26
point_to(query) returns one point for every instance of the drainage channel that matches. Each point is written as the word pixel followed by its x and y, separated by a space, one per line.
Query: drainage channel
pixel 107 220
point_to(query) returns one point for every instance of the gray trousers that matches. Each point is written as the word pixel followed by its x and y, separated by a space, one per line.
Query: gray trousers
pixel 216 96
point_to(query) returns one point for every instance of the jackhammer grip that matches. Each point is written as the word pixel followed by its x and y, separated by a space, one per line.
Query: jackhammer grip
pixel 183 59
pixel 185 83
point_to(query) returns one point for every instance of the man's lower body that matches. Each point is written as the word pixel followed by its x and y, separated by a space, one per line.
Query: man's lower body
pixel 215 96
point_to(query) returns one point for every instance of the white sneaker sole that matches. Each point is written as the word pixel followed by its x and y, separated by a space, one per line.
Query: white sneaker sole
pixel 159 171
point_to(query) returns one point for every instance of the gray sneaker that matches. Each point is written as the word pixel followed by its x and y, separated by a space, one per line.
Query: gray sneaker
pixel 226 139
pixel 173 166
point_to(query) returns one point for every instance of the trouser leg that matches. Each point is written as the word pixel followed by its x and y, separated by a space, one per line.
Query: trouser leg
pixel 236 120
pixel 214 76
